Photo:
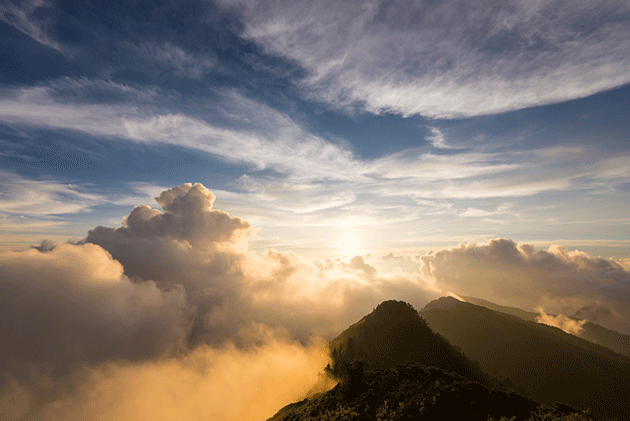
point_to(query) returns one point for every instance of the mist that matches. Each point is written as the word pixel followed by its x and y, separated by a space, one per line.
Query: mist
pixel 574 327
pixel 225 383
pixel 171 316
pixel 560 281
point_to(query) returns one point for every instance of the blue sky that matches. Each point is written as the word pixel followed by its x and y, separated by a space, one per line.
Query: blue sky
pixel 413 126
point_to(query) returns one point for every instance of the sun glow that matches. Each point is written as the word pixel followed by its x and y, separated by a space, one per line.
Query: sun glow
pixel 349 243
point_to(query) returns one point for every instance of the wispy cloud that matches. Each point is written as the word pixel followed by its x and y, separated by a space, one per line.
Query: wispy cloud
pixel 257 135
pixel 23 196
pixel 572 326
pixel 437 139
pixel 170 56
pixel 29 17
pixel 294 177
pixel 446 59
pixel 505 208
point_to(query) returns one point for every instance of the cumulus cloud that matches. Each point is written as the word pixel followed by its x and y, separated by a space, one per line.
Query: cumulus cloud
pixel 517 274
pixel 172 308
pixel 445 59
pixel 191 244
pixel 72 304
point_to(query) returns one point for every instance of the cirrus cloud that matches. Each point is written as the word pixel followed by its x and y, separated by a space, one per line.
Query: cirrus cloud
pixel 446 59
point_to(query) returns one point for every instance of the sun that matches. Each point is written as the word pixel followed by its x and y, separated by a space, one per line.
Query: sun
pixel 349 243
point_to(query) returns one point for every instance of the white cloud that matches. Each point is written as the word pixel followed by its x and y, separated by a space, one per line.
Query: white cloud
pixel 432 167
pixel 313 181
pixel 517 274
pixel 245 131
pixel 437 139
pixel 19 195
pixel 175 295
pixel 446 59
pixel 23 18
pixel 182 62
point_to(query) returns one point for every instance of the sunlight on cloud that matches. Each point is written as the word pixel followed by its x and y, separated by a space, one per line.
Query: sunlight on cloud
pixel 214 384
pixel 180 299
pixel 165 315
pixel 574 327
pixel 560 281
pixel 23 196
pixel 294 178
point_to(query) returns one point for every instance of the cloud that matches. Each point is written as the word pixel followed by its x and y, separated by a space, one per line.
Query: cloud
pixel 574 327
pixel 170 56
pixel 437 139
pixel 237 129
pixel 23 196
pixel 434 167
pixel 281 158
pixel 293 178
pixel 205 250
pixel 208 383
pixel 517 274
pixel 173 308
pixel 73 304
pixel 31 18
pixel 445 59
pixel 505 208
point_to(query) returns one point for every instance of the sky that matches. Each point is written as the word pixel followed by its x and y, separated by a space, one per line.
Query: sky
pixel 195 188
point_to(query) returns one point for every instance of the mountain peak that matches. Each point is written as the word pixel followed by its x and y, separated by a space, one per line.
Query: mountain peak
pixel 395 333
pixel 393 308
pixel 443 303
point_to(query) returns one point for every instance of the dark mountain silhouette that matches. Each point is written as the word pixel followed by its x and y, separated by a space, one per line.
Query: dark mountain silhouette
pixel 411 392
pixel 392 366
pixel 394 333
pixel 592 332
pixel 547 363
pixel 609 338
pixel 525 315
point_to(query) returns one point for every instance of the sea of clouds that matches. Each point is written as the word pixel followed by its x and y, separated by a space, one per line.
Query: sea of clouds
pixel 170 316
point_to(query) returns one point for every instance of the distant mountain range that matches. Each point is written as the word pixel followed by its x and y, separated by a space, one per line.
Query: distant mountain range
pixel 544 362
pixel 590 331
pixel 393 366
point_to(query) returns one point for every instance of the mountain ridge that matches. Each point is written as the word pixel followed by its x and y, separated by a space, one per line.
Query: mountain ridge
pixel 547 363
pixel 392 366
pixel 394 333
